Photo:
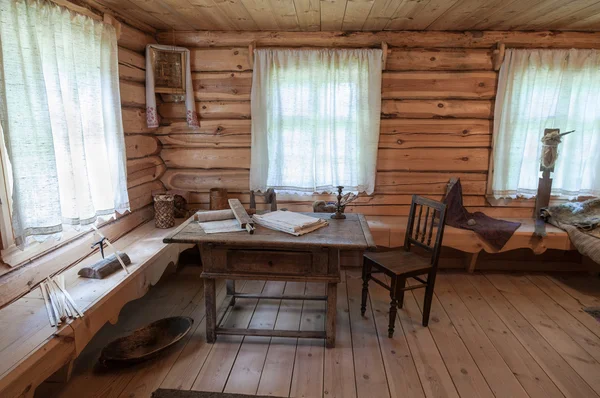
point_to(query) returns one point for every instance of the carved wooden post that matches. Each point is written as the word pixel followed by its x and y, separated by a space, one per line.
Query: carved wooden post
pixel 550 142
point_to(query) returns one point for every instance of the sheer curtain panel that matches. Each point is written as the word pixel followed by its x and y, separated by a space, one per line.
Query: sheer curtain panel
pixel 61 115
pixel 540 89
pixel 315 119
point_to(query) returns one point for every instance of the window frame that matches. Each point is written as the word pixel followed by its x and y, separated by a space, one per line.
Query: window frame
pixel 522 201
pixel 10 254
pixel 350 86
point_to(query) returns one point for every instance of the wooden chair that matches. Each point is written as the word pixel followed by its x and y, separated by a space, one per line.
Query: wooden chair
pixel 270 198
pixel 400 265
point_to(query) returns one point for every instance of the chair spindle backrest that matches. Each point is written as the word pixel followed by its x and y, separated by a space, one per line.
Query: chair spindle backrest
pixel 420 230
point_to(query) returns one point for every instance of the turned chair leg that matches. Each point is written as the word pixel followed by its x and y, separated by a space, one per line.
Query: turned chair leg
pixel 366 275
pixel 428 297
pixel 393 306
pixel 400 295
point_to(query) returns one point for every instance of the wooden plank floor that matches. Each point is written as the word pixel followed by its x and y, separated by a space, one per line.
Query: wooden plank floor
pixel 490 335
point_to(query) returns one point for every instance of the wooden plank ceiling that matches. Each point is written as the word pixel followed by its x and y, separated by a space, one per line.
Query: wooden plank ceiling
pixel 362 15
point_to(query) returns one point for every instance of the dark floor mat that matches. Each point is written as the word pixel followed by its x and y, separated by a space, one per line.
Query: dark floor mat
pixel 161 393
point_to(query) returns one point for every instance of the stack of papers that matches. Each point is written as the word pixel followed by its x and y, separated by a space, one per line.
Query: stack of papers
pixel 289 222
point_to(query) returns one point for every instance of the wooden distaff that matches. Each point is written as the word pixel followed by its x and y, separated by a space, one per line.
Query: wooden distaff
pixel 550 141
pixel 241 215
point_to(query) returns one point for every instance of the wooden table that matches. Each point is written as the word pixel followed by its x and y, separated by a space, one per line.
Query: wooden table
pixel 275 256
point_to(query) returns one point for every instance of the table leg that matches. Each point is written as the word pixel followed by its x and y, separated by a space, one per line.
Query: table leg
pixel 211 309
pixel 230 284
pixel 331 314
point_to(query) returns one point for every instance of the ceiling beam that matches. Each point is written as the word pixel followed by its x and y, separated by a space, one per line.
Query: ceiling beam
pixel 409 39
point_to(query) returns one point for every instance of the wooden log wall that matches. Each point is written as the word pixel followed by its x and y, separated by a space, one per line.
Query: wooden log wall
pixel 438 96
pixel 144 165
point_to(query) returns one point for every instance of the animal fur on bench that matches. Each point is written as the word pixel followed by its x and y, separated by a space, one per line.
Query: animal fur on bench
pixel 581 220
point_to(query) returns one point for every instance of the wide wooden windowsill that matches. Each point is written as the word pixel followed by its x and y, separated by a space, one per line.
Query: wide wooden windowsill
pixel 15 257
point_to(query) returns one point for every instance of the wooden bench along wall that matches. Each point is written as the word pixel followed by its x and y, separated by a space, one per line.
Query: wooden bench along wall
pixel 438 96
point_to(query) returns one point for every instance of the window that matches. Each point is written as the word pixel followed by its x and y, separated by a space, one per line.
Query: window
pixel 315 119
pixel 540 89
pixel 64 151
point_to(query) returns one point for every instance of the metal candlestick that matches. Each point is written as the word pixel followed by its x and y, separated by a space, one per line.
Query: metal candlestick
pixel 339 215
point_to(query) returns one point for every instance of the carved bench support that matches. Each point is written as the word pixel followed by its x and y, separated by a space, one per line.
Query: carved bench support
pixel 471 261
pixel 62 375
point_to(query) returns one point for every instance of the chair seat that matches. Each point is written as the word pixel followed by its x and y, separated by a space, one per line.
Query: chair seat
pixel 399 262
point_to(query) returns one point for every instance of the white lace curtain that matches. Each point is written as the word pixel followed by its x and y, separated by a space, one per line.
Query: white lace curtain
pixel 540 89
pixel 61 116
pixel 315 119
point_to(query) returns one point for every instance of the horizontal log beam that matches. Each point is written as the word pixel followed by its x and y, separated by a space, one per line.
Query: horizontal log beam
pixel 208 127
pixel 427 109
pixel 423 133
pixel 132 65
pixel 236 59
pixel 222 86
pixel 203 180
pixel 224 110
pixel 397 182
pixel 228 158
pixel 434 85
pixel 435 126
pixel 140 146
pixel 409 39
pixel 129 73
pixel 407 182
pixel 236 86
pixel 141 195
pixel 413 108
pixel 199 140
pixel 219 59
pixel 134 39
pixel 395 134
pixel 133 94
pixel 440 140
pixel 433 159
pixel 440 60
pixel 207 110
pixel 144 170
pixel 134 121
pixel 132 58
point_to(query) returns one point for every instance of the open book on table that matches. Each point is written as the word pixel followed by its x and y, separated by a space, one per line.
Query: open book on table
pixel 289 222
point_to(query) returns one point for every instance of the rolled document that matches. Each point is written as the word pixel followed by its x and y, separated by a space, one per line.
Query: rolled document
pixel 214 215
